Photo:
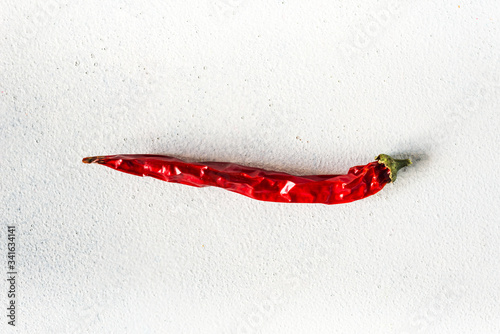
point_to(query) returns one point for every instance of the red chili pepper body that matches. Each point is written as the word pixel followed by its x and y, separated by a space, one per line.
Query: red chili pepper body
pixel 260 184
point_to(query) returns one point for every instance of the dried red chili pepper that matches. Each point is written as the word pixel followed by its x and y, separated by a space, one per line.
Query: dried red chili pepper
pixel 260 184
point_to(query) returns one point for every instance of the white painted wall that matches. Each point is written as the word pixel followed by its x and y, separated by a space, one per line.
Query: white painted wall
pixel 300 86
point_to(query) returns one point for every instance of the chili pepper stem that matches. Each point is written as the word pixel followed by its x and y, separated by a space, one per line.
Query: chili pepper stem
pixel 394 165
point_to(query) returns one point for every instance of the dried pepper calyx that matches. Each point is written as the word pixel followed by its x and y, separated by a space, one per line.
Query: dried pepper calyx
pixel 394 165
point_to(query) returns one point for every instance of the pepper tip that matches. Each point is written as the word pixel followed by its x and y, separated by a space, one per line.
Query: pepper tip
pixel 90 160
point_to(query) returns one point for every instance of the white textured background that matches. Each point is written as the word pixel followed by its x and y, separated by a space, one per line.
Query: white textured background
pixel 300 86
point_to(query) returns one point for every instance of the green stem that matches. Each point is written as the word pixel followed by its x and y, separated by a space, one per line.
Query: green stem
pixel 394 165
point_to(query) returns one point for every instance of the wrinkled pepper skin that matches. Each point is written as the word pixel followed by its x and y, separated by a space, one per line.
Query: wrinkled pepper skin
pixel 256 183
